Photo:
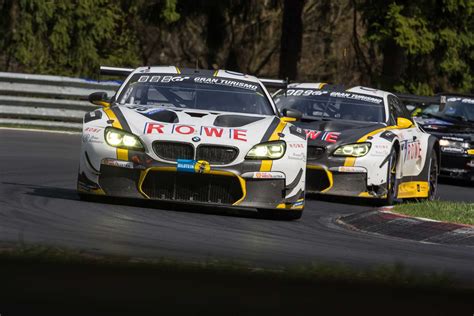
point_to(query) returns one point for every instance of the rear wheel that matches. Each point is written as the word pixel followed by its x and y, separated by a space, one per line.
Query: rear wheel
pixel 392 182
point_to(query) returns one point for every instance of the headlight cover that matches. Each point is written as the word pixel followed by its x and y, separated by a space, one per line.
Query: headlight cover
pixel 453 143
pixel 121 139
pixel 270 150
pixel 353 150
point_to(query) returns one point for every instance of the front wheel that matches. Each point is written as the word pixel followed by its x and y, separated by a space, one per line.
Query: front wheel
pixel 392 181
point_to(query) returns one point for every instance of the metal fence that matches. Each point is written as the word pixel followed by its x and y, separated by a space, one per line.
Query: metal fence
pixel 51 102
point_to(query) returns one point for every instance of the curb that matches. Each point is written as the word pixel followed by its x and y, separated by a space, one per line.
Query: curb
pixel 385 222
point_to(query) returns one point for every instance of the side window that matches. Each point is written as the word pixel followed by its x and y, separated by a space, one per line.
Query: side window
pixel 397 109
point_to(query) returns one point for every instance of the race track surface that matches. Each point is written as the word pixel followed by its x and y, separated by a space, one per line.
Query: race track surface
pixel 38 204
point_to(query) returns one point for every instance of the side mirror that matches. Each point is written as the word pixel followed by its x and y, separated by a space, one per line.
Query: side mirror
pixel 99 98
pixel 291 115
pixel 404 123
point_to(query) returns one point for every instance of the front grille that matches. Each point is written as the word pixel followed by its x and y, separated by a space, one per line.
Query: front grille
pixel 316 180
pixel 205 188
pixel 173 150
pixel 315 152
pixel 217 155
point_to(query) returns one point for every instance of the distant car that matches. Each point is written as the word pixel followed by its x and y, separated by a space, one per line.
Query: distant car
pixel 196 137
pixel 453 123
pixel 362 142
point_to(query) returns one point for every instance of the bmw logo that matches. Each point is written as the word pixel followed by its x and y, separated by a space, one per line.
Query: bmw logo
pixel 196 139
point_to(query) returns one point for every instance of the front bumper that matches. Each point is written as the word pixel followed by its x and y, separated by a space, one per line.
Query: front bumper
pixel 459 166
pixel 337 181
pixel 217 186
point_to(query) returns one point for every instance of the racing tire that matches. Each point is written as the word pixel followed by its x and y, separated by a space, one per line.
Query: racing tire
pixel 392 181
pixel 433 176
pixel 280 214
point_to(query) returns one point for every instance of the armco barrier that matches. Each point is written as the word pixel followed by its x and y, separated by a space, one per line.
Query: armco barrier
pixel 43 101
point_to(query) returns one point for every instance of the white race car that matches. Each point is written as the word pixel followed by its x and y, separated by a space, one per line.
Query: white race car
pixel 362 142
pixel 193 136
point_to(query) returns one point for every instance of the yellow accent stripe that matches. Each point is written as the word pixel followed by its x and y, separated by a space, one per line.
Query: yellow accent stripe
pixel 242 182
pixel 122 154
pixel 216 72
pixel 267 164
pixel 470 151
pixel 321 85
pixel 413 189
pixel 177 70
pixel 350 161
pixel 328 173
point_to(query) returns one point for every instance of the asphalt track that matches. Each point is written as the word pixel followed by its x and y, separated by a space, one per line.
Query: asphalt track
pixel 39 205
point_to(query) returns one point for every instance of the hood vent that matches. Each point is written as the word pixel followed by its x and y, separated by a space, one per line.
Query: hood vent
pixel 163 116
pixel 194 114
pixel 235 120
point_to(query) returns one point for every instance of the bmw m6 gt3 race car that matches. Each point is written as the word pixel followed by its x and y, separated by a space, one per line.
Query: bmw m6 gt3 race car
pixel 193 136
pixel 452 121
pixel 362 142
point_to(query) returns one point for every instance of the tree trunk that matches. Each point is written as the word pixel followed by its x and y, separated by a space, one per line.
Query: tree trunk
pixel 291 38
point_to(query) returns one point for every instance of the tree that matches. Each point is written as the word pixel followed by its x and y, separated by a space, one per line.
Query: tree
pixel 291 38
pixel 427 46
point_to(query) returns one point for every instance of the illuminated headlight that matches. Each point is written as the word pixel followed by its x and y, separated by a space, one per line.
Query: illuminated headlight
pixel 121 139
pixel 270 150
pixel 453 143
pixel 353 150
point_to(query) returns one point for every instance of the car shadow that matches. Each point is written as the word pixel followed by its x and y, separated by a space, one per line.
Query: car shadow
pixel 345 199
pixel 72 195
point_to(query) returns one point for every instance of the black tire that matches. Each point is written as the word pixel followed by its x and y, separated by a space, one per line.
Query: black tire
pixel 392 181
pixel 287 215
pixel 433 176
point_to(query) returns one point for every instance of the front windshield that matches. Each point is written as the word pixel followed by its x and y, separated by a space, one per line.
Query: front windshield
pixel 459 108
pixel 195 92
pixel 326 105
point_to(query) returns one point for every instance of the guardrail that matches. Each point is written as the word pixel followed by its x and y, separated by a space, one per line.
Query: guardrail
pixel 44 101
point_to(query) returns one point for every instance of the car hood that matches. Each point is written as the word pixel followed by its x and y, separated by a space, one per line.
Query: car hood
pixel 336 132
pixel 197 126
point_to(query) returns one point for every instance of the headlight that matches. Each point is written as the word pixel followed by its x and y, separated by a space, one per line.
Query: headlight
pixel 353 150
pixel 121 139
pixel 270 150
pixel 453 143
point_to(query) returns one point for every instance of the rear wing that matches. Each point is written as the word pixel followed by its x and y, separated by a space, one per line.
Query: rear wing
pixel 418 99
pixel 115 71
pixel 274 83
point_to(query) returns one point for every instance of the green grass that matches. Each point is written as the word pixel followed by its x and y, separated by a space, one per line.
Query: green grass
pixel 454 212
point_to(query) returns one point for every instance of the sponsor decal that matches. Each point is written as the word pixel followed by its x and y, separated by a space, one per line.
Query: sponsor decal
pixel 164 79
pixel 388 135
pixel 305 92
pixel 90 135
pixel 92 116
pixel 412 150
pixel 117 163
pixel 329 137
pixel 193 166
pixel 267 175
pixel 93 129
pixel 353 96
pixel 226 82
pixel 183 129
pixel 456 150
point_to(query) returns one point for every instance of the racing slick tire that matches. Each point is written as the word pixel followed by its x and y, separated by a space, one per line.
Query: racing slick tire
pixel 392 181
pixel 280 214
pixel 433 176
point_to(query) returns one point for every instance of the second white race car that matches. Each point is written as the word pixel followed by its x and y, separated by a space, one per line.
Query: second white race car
pixel 193 136
pixel 362 142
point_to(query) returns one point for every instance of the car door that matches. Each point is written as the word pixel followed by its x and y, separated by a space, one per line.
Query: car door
pixel 411 152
